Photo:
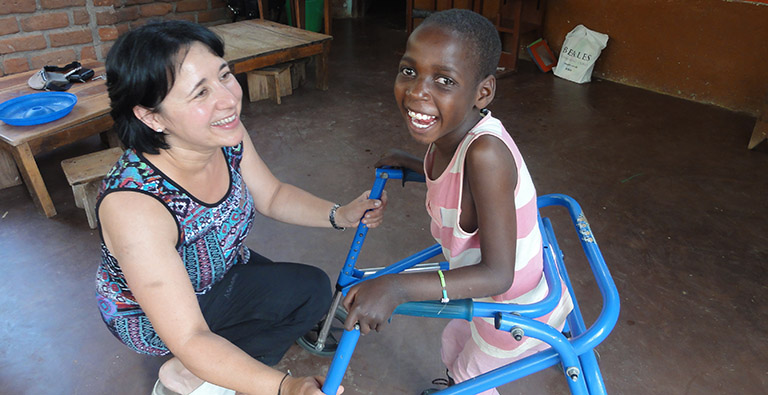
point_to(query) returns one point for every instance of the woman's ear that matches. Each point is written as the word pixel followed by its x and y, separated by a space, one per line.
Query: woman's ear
pixel 486 90
pixel 148 117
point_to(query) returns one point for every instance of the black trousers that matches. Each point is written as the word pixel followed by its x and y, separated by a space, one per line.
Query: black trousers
pixel 263 306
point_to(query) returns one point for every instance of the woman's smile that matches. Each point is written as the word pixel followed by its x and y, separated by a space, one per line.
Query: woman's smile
pixel 226 122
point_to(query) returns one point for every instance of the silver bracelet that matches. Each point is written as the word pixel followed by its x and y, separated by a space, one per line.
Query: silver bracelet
pixel 332 217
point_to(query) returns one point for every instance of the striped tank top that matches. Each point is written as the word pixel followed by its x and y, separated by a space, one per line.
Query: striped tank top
pixel 462 248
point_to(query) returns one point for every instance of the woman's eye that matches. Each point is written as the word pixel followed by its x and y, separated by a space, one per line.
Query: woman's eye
pixel 226 75
pixel 445 81
pixel 201 93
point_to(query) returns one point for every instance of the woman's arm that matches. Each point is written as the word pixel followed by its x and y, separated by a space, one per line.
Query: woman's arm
pixel 492 177
pixel 142 235
pixel 290 204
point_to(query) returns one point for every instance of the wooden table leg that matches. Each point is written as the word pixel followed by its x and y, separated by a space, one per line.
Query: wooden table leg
pixel 33 179
pixel 9 176
pixel 760 132
pixel 321 67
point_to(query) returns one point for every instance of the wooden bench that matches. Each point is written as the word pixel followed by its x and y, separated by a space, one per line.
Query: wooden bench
pixel 85 173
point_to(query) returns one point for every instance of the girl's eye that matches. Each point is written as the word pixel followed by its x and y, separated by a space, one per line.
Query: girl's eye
pixel 201 93
pixel 226 75
pixel 407 71
pixel 445 81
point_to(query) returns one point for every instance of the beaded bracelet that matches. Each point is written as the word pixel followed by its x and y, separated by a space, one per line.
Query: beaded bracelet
pixel 444 299
pixel 332 217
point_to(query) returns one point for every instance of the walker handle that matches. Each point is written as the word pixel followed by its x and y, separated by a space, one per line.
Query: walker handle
pixel 461 308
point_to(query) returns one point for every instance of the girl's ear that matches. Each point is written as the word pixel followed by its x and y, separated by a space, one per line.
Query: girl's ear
pixel 148 117
pixel 486 90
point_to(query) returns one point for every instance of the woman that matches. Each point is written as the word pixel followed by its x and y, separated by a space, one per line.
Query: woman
pixel 176 276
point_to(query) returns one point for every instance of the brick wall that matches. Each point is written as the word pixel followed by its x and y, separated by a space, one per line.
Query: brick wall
pixel 35 33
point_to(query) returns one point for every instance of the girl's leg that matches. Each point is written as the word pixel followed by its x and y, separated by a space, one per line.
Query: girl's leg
pixel 263 306
pixel 455 336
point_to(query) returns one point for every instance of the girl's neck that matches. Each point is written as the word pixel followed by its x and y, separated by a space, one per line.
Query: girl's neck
pixel 448 144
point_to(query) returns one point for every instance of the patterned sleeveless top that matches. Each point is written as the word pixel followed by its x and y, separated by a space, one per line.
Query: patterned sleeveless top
pixel 210 240
pixel 462 248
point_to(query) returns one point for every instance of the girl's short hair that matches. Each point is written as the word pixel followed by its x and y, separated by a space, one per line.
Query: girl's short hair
pixel 477 31
pixel 141 69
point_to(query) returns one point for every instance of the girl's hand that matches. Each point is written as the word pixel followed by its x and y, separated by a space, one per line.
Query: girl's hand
pixel 305 386
pixel 372 302
pixel 370 210
pixel 396 158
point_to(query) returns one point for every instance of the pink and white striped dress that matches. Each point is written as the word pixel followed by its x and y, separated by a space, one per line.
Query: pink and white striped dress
pixel 490 348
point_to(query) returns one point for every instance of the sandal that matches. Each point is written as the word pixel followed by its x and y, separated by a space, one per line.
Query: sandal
pixel 447 382
pixel 205 388
pixel 54 78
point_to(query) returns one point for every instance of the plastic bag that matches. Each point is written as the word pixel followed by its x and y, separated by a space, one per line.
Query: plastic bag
pixel 581 49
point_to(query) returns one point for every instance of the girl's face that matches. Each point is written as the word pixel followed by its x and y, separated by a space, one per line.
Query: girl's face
pixel 202 109
pixel 436 88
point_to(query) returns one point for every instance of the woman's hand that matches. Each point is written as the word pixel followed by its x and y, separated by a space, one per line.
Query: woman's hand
pixel 372 302
pixel 305 385
pixel 370 210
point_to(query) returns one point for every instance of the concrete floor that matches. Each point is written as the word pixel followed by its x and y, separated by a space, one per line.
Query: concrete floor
pixel 677 203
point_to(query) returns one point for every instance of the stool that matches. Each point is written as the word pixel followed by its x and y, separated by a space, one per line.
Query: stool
pixel 84 173
pixel 270 82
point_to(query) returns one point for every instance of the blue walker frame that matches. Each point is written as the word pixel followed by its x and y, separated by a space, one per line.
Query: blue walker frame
pixel 574 354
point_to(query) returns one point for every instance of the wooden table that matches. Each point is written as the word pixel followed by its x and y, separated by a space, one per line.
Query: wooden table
pixel 253 44
pixel 250 45
pixel 20 144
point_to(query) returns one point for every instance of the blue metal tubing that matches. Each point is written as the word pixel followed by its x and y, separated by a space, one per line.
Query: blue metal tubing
pixel 576 353
pixel 587 340
pixel 341 359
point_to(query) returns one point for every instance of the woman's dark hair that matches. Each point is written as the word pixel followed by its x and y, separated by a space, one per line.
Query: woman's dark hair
pixel 477 31
pixel 141 69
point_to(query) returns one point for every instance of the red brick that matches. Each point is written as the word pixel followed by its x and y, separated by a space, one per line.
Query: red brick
pixel 128 14
pixel 58 58
pixel 8 26
pixel 106 3
pixel 21 44
pixel 134 2
pixel 70 38
pixel 55 4
pixel 88 52
pixel 105 49
pixel 155 9
pixel 106 18
pixel 16 65
pixel 81 17
pixel 108 33
pixel 189 17
pixel 191 5
pixel 223 4
pixel 212 16
pixel 123 28
pixel 45 22
pixel 17 6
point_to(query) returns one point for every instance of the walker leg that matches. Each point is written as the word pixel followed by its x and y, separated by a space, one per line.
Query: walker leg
pixel 323 335
pixel 341 360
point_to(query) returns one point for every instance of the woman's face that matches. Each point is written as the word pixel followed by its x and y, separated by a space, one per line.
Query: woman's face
pixel 202 109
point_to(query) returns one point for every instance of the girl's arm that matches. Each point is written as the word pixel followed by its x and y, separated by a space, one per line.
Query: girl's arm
pixel 290 204
pixel 400 158
pixel 142 235
pixel 492 177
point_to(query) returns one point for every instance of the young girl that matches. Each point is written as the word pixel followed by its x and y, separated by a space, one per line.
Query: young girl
pixel 480 197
